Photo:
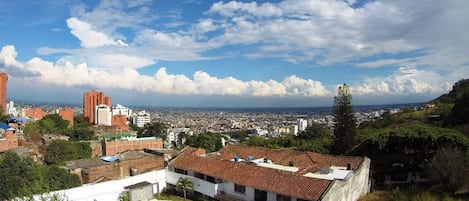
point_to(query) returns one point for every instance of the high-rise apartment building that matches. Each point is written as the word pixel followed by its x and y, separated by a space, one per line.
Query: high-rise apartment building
pixel 90 100
pixel 3 92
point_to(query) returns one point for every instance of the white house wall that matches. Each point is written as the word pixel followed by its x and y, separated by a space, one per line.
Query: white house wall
pixel 110 190
pixel 352 188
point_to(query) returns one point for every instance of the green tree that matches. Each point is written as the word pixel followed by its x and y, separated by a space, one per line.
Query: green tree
pixel 81 131
pixel 460 111
pixel 52 124
pixel 15 176
pixel 345 121
pixel 313 132
pixel 449 169
pixel 22 177
pixel 153 129
pixel 239 135
pixel 31 128
pixel 209 141
pixel 183 184
pixel 60 151
pixel 58 178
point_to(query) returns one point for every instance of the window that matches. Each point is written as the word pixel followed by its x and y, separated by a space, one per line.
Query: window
pixel 240 188
pixel 210 179
pixel 199 175
pixel 180 171
pixel 281 197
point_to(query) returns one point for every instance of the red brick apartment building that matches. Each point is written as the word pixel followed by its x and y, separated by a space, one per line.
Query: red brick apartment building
pixel 8 139
pixel 3 92
pixel 67 114
pixel 90 100
pixel 34 113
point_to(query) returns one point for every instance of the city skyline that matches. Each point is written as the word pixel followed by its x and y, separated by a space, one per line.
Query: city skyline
pixel 233 53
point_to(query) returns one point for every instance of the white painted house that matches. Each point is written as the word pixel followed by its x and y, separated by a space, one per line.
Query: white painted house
pixel 253 173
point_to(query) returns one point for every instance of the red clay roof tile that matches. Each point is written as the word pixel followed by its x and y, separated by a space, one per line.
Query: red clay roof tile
pixel 268 179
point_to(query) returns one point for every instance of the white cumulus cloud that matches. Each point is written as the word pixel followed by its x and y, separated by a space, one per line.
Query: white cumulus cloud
pixel 89 37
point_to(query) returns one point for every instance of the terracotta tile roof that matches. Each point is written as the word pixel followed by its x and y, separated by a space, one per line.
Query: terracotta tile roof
pixel 283 182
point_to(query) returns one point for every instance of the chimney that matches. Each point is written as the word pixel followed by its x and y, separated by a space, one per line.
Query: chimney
pixel 349 166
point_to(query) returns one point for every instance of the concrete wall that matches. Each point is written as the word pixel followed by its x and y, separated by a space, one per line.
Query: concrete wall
pixel 352 188
pixel 114 147
pixel 8 141
pixel 96 148
pixel 109 191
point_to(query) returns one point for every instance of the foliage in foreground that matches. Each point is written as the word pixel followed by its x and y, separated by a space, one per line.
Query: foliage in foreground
pixel 407 195
pixel 22 177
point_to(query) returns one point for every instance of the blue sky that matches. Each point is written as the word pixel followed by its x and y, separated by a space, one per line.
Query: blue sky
pixel 233 53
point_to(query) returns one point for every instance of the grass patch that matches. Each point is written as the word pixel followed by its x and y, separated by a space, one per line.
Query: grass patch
pixel 163 196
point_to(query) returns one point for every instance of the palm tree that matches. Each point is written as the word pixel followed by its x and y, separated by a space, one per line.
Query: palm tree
pixel 183 184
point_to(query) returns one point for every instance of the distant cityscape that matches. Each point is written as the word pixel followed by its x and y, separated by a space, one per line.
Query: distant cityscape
pixel 262 121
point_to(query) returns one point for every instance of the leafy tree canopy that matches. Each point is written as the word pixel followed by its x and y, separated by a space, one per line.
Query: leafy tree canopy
pixel 60 151
pixel 153 129
pixel 22 177
pixel 449 169
pixel 412 144
pixel 81 131
pixel 209 141
pixel 52 124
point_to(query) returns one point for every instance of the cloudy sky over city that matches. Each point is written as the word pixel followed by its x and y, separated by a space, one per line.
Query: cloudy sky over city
pixel 233 53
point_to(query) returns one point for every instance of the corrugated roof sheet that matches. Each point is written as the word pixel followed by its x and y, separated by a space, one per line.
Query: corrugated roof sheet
pixel 4 126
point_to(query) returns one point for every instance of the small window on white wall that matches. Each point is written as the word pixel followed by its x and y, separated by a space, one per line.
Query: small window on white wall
pixel 283 197
pixel 240 188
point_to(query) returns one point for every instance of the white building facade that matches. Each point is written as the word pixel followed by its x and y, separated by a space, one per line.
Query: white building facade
pixel 103 115
pixel 121 110
pixel 302 124
pixel 141 118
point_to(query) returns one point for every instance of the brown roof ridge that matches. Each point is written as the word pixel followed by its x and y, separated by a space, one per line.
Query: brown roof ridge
pixel 249 174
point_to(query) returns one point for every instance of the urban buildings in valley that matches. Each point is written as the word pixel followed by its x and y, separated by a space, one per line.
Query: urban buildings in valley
pixel 254 173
